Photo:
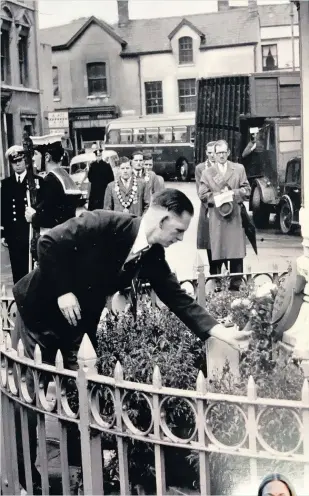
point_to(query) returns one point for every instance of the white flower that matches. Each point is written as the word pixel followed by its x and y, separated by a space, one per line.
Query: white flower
pixel 266 289
pixel 236 303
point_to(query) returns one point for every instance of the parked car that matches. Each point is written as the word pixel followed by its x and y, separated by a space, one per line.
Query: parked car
pixel 290 201
pixel 79 167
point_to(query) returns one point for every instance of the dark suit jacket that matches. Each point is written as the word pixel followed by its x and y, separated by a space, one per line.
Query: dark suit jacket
pixel 85 256
pixel 100 175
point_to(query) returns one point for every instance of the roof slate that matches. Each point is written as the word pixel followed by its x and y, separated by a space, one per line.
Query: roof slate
pixel 232 27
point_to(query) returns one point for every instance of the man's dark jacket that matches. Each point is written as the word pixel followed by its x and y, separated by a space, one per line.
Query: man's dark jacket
pixel 85 256
pixel 100 175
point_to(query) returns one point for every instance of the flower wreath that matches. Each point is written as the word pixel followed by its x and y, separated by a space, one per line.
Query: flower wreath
pixel 132 198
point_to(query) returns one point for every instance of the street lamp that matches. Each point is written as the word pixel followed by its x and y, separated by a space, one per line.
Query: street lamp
pixel 297 337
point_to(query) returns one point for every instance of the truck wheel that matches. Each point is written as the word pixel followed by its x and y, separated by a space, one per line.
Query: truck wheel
pixel 260 211
pixel 286 217
pixel 182 169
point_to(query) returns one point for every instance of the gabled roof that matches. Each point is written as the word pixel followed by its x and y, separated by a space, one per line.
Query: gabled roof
pixel 277 15
pixel 227 28
pixel 63 37
pixel 185 22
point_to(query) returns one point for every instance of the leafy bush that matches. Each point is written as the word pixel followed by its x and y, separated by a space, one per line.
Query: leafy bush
pixel 159 338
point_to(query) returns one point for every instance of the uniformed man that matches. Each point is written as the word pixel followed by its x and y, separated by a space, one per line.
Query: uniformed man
pixel 14 202
pixel 60 195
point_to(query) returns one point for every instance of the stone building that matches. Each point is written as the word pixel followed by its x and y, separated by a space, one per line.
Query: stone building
pixel 20 78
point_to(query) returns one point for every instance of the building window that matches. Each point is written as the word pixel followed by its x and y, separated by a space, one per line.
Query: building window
pixel 185 50
pixel 187 95
pixel 56 90
pixel 23 59
pixel 270 57
pixel 97 80
pixel 154 97
pixel 5 56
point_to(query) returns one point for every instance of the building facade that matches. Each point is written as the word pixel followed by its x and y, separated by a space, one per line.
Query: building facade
pixel 20 78
pixel 151 66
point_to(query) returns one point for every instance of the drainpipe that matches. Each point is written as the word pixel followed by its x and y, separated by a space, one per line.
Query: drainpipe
pixel 140 86
pixel 292 34
pixel 38 50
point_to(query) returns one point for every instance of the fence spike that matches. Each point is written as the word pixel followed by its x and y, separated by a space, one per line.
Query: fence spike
pixel 251 389
pixel 37 355
pixel 20 349
pixel 118 372
pixel 201 383
pixel 59 360
pixel 156 377
pixel 2 335
pixel 275 267
pixel 86 350
pixel 305 392
pixel 8 341
pixel 3 291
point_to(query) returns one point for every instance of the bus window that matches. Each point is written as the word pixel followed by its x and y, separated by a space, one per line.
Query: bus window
pixel 113 137
pixel 192 134
pixel 165 135
pixel 152 135
pixel 138 136
pixel 180 134
pixel 126 136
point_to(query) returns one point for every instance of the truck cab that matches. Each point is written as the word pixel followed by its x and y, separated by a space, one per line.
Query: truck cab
pixel 277 141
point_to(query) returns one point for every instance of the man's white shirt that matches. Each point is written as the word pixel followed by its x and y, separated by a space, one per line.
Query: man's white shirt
pixel 20 177
pixel 222 168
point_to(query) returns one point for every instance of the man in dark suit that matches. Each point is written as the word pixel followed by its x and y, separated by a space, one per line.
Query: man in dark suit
pixel 14 202
pixel 99 176
pixel 95 255
pixel 60 195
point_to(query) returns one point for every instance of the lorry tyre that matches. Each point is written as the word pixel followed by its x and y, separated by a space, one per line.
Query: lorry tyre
pixel 285 217
pixel 182 170
pixel 260 211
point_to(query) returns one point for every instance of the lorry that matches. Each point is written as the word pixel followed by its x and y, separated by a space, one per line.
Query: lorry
pixel 259 116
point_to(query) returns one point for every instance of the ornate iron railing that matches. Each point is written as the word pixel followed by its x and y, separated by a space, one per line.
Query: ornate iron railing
pixel 251 414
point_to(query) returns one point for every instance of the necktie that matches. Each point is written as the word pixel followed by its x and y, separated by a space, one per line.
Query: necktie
pixel 18 179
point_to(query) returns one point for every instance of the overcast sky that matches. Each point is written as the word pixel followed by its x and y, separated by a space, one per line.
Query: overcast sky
pixel 56 12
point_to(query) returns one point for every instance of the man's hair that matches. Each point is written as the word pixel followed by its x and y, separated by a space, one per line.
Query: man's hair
pixel 210 143
pixel 276 477
pixel 147 155
pixel 174 201
pixel 138 152
pixel 221 143
pixel 124 160
pixel 55 153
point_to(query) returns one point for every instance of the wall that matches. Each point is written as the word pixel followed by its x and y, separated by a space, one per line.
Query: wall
pixel 281 35
pixel 45 60
pixel 207 63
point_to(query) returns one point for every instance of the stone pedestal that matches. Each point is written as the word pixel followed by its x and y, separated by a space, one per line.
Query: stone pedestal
pixel 297 337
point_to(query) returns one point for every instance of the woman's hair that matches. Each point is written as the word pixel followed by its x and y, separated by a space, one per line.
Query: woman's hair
pixel 276 477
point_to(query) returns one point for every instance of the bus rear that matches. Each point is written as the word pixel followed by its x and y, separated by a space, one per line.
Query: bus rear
pixel 170 140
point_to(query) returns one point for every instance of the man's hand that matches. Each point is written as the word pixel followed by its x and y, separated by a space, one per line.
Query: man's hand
pixel 4 243
pixel 70 308
pixel 29 213
pixel 239 340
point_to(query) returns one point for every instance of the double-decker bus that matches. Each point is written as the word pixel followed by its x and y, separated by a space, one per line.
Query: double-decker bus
pixel 170 139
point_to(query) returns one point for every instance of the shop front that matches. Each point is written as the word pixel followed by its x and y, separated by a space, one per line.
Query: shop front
pixel 88 125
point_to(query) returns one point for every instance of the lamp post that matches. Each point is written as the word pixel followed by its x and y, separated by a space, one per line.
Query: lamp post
pixel 297 337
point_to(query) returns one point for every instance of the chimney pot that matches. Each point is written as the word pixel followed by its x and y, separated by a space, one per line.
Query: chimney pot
pixel 123 12
pixel 223 5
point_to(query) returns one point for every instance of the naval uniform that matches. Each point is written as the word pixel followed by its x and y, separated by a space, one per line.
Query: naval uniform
pixel 15 228
pixel 60 198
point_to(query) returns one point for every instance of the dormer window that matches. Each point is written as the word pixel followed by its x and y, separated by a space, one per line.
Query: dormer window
pixel 97 79
pixel 185 50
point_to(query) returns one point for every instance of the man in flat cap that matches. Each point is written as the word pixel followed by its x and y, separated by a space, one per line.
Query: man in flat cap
pixel 14 202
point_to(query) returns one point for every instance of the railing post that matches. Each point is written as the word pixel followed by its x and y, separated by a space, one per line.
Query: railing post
pixel 91 451
pixel 305 402
pixel 158 449
pixel 252 430
pixel 204 469
pixel 201 281
pixel 121 442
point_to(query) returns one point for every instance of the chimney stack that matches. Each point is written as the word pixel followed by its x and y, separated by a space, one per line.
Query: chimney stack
pixel 123 12
pixel 223 5
pixel 252 6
